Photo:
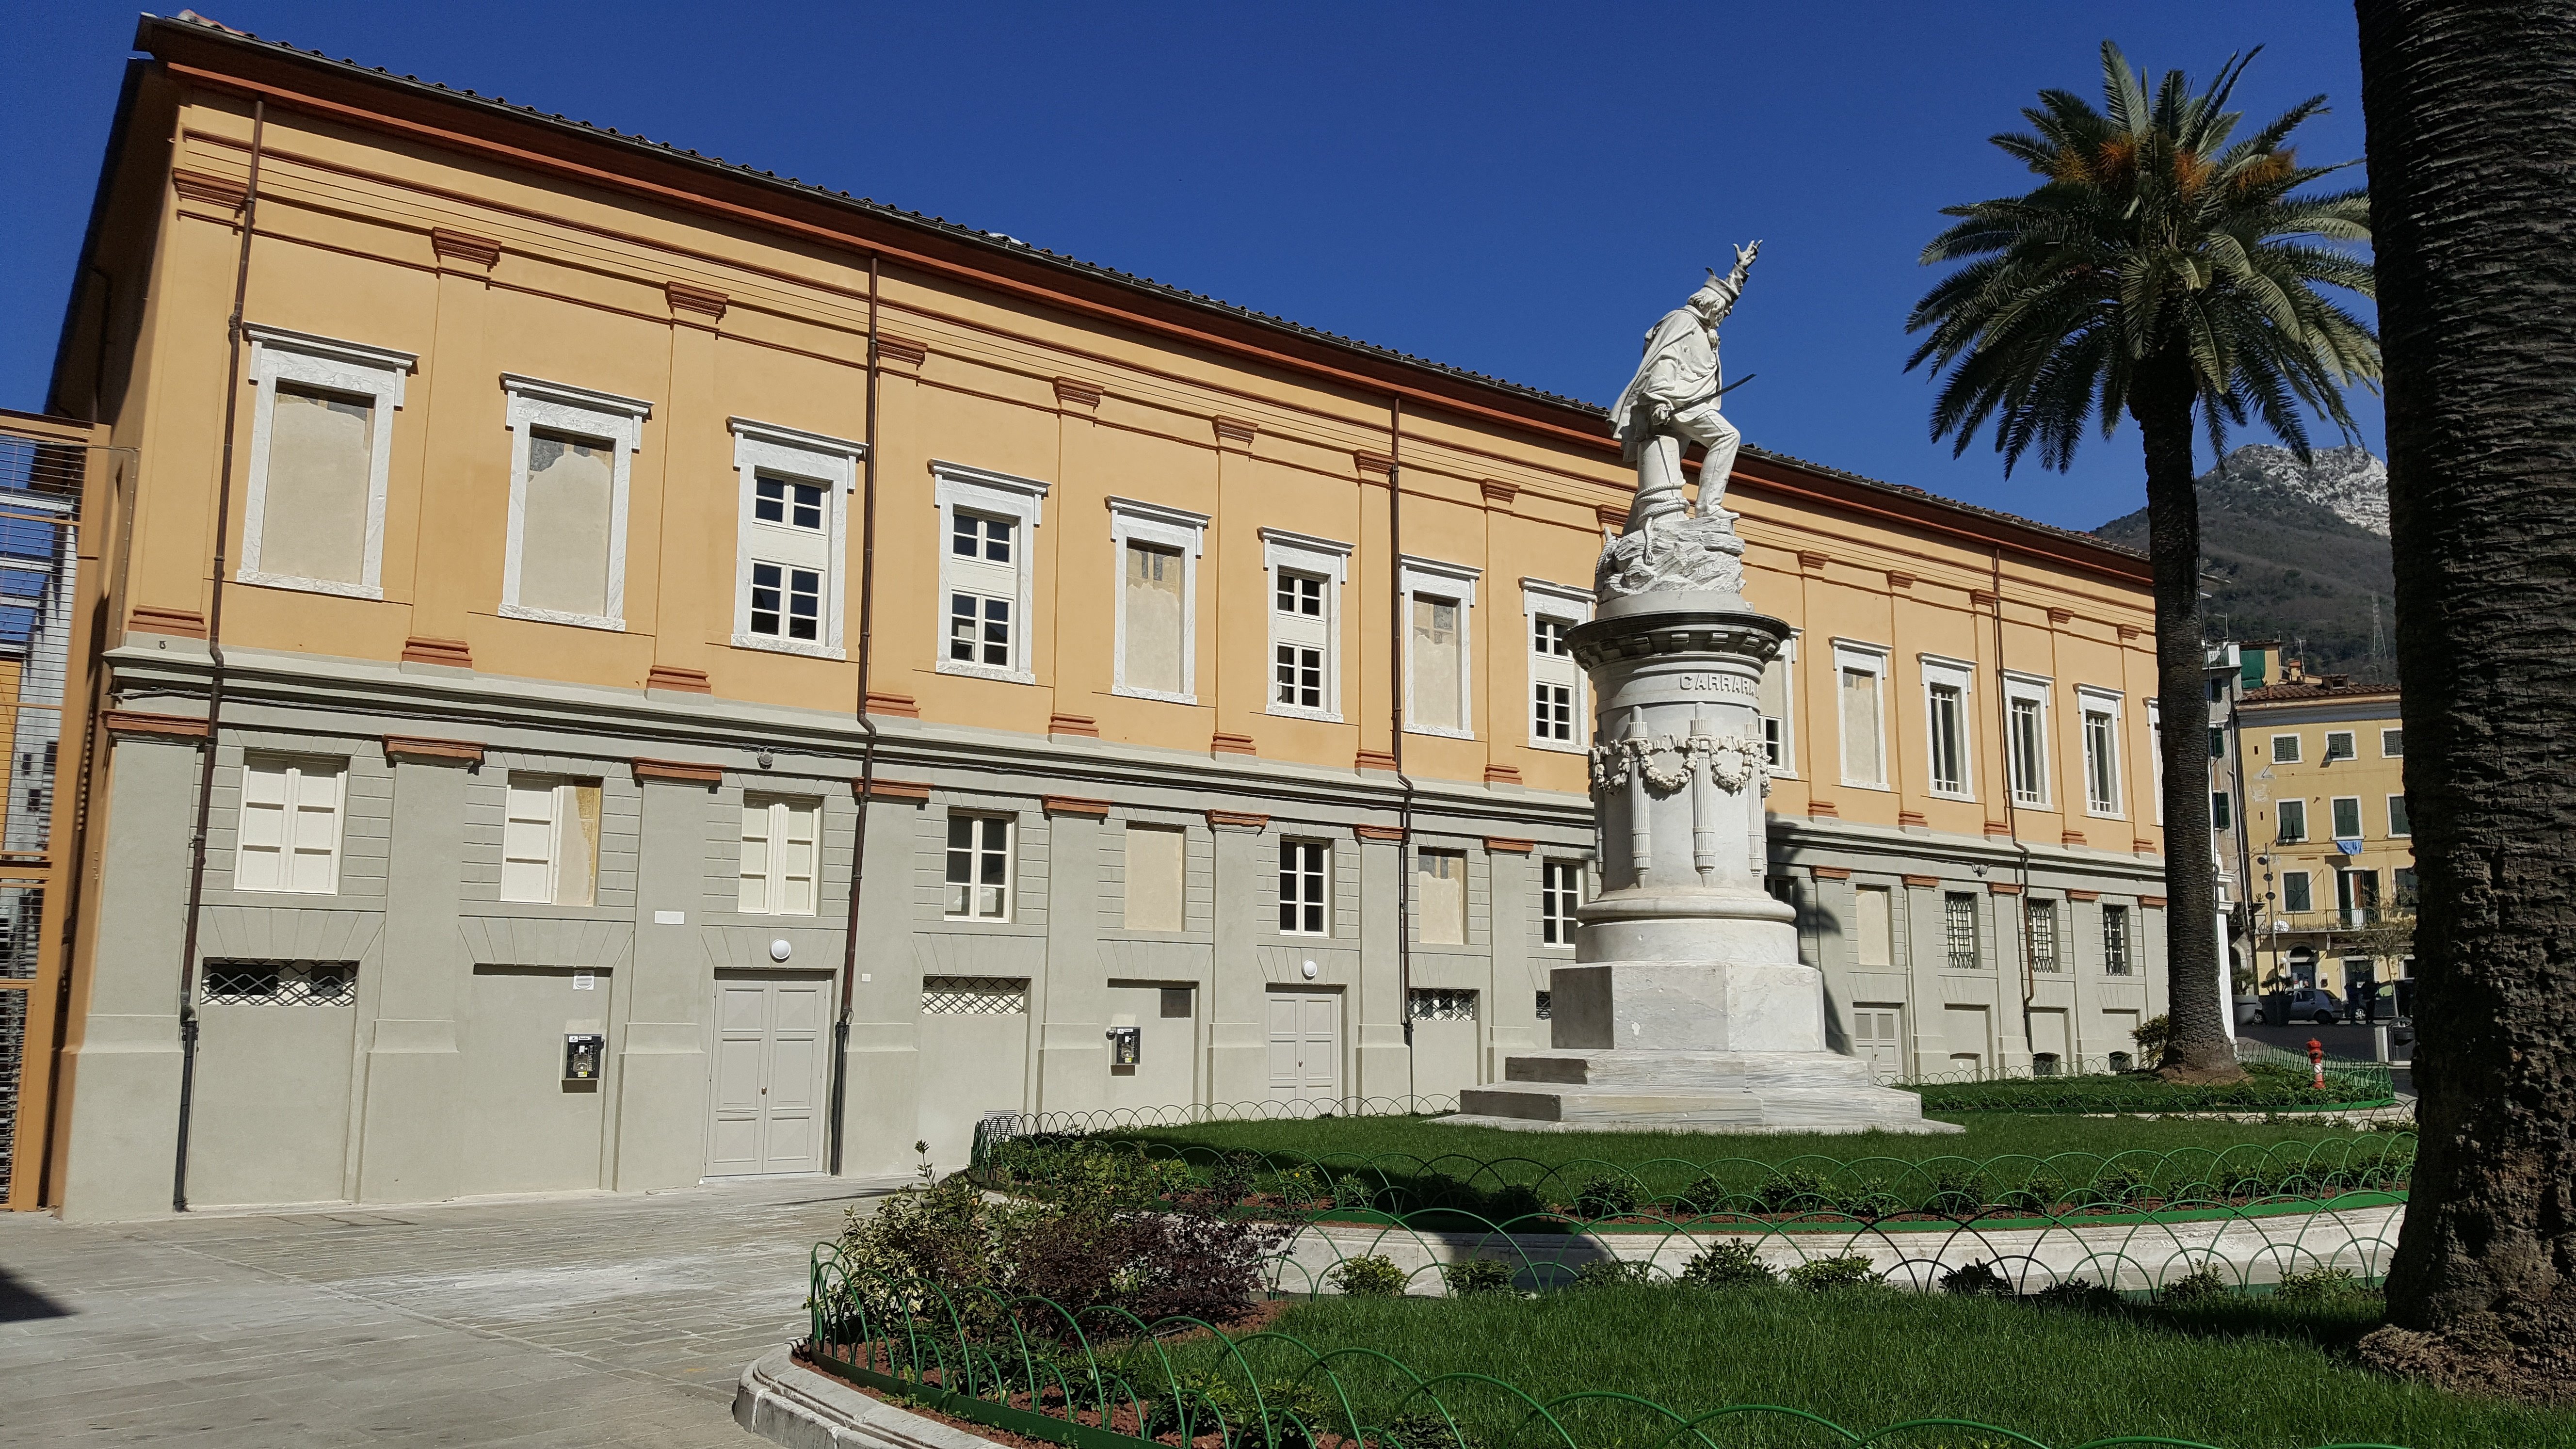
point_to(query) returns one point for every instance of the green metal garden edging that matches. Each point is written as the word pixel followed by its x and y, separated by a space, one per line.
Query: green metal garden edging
pixel 1070 1432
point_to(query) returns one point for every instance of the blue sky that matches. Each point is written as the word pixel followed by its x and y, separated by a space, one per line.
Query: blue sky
pixel 1511 188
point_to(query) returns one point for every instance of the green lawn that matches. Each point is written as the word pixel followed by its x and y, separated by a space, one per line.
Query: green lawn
pixel 2244 1374
pixel 1352 1141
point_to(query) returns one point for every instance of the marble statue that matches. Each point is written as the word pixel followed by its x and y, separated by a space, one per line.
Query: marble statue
pixel 1672 402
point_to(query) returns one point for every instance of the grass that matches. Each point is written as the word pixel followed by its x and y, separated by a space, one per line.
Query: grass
pixel 1356 1139
pixel 2241 1373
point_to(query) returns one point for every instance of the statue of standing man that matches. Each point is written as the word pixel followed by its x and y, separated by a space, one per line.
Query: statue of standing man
pixel 1672 402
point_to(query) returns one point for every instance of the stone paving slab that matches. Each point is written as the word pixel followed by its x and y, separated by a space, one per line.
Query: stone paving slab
pixel 569 1320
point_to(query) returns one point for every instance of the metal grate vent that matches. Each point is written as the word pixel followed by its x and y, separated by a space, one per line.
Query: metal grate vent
pixel 1443 1004
pixel 281 983
pixel 13 1059
pixel 974 995
pixel 1546 1004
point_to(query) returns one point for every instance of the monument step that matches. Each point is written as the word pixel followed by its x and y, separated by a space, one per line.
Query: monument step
pixel 1689 1071
pixel 1826 1107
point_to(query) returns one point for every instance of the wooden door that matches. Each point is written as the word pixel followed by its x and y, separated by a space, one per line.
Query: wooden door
pixel 767 1086
pixel 1875 1040
pixel 1305 1046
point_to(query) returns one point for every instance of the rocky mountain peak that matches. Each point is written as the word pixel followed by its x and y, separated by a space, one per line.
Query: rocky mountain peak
pixel 2346 481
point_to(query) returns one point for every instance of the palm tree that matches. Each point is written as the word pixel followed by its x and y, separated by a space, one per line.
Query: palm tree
pixel 2163 270
pixel 2472 114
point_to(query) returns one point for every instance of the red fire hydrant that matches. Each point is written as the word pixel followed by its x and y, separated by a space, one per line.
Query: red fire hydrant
pixel 2317 1062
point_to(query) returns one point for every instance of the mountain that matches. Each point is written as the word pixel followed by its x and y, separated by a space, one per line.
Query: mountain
pixel 2298 552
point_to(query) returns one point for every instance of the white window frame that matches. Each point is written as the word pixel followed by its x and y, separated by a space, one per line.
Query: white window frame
pixel 2359 825
pixel 297 766
pixel 997 495
pixel 1870 659
pixel 1787 663
pixel 2307 887
pixel 2352 746
pixel 1325 876
pixel 1574 872
pixel 1434 579
pixel 1010 869
pixel 534 403
pixel 779 808
pixel 1321 558
pixel 2038 690
pixel 2089 701
pixel 558 791
pixel 376 373
pixel 1134 521
pixel 1569 607
pixel 2303 837
pixel 833 462
pixel 2399 735
pixel 2297 750
pixel 1960 675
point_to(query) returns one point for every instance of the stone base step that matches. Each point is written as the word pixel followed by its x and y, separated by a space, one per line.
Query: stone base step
pixel 1562 1091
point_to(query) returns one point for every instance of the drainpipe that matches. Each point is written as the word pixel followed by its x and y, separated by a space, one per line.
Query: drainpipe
pixel 1395 714
pixel 215 680
pixel 868 748
pixel 2012 817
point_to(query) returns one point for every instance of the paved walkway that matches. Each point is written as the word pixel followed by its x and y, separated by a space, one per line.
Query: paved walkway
pixel 564 1320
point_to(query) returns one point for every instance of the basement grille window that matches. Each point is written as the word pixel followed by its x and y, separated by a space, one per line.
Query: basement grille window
pixel 974 996
pixel 280 983
pixel 1443 1004
pixel 1546 1003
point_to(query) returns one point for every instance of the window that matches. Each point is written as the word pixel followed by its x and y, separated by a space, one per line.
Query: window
pixel 1560 891
pixel 2398 824
pixel 1556 684
pixel 979 868
pixel 320 445
pixel 2115 940
pixel 2294 821
pixel 1874 926
pixel 2217 742
pixel 2285 749
pixel 2339 746
pixel 1155 869
pixel 2026 723
pixel 2347 817
pixel 1440 897
pixel 1545 1006
pixel 2392 744
pixel 2403 878
pixel 2222 812
pixel 571 451
pixel 1959 923
pixel 1158 580
pixel 290 824
pixel 550 840
pixel 974 995
pixel 2101 751
pixel 778 856
pixel 1306 578
pixel 2043 936
pixel 1438 598
pixel 791 534
pixel 986 570
pixel 1305 887
pixel 1442 1004
pixel 280 983
pixel 2295 897
pixel 1775 700
pixel 1945 700
pixel 1858 675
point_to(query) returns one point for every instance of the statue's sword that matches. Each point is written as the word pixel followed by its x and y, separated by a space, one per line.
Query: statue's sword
pixel 1721 392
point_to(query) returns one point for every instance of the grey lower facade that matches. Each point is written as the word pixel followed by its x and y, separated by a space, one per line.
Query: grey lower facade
pixel 404 1034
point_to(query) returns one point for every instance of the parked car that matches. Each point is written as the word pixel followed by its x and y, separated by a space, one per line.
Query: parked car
pixel 2313 1003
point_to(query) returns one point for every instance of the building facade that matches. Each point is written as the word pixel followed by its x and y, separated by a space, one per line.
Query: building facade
pixel 709 676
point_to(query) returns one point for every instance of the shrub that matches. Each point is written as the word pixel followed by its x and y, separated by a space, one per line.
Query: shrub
pixel 2115 1186
pixel 2078 1293
pixel 2319 1285
pixel 1439 1189
pixel 2151 1036
pixel 2041 1195
pixel 1215 1400
pixel 2201 1285
pixel 1424 1429
pixel 1369 1277
pixel 1706 1194
pixel 1613 1273
pixel 1823 1275
pixel 1350 1192
pixel 1976 1280
pixel 2241 1181
pixel 1470 1276
pixel 1794 1190
pixel 1232 1179
pixel 1729 1265
pixel 1610 1195
pixel 1957 1191
pixel 1517 1200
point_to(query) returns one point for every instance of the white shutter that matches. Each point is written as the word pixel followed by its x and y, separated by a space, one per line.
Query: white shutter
pixel 755 859
pixel 289 827
pixel 527 841
pixel 792 860
pixel 259 863
pixel 317 829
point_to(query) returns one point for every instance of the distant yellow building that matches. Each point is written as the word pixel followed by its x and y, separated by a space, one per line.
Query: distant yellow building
pixel 2331 860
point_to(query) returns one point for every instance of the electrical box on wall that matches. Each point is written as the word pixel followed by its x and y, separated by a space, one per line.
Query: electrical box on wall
pixel 581 1056
pixel 1126 1044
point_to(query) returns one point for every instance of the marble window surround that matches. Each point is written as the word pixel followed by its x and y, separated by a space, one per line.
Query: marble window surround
pixel 2035 690
pixel 377 373
pixel 794 453
pixel 1131 520
pixel 535 403
pixel 2094 700
pixel 1320 558
pixel 1569 606
pixel 1857 656
pixel 1958 674
pixel 996 495
pixel 1430 578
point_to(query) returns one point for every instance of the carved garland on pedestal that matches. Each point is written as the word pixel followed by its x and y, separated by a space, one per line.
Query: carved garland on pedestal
pixel 1668 761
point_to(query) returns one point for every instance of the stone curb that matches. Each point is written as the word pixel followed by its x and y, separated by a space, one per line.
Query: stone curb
pixel 787 1403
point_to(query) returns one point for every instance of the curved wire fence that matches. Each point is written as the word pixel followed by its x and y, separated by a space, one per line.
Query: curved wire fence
pixel 1103 1378
pixel 1824 1193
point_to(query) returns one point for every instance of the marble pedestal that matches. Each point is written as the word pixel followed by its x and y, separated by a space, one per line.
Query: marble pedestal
pixel 1688 1009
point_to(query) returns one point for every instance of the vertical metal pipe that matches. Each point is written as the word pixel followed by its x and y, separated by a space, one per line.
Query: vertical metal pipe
pixel 868 747
pixel 2012 816
pixel 215 679
pixel 1395 714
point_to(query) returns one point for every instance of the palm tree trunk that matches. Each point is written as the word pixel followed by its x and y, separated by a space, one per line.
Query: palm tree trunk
pixel 2471 116
pixel 2197 1048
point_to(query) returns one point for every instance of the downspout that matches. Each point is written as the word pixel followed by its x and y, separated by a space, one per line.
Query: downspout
pixel 215 680
pixel 2012 816
pixel 1395 716
pixel 868 747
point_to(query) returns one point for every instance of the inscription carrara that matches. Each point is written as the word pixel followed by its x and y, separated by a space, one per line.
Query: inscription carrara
pixel 1714 684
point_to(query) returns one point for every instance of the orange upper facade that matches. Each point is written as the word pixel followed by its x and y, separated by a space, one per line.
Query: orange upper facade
pixel 564 364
